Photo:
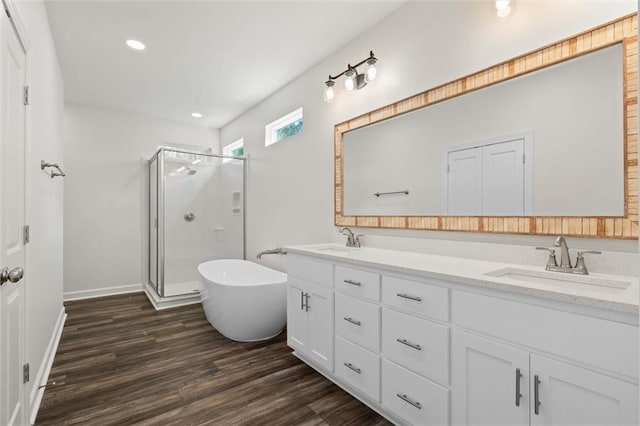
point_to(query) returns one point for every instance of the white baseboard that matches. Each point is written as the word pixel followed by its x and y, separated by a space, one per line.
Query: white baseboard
pixel 100 292
pixel 35 398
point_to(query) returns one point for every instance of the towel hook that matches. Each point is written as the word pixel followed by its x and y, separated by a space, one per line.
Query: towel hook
pixel 57 172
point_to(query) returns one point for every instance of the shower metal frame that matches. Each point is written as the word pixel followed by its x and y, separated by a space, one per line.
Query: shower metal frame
pixel 160 249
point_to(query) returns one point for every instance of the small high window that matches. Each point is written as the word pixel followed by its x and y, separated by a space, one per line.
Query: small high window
pixel 234 149
pixel 289 125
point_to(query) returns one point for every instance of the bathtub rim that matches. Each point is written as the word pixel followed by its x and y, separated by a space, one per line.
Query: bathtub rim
pixel 282 277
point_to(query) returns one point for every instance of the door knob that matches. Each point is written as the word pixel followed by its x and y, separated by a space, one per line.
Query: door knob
pixel 13 275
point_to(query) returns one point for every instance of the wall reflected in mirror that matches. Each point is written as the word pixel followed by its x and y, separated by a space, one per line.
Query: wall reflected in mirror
pixel 548 143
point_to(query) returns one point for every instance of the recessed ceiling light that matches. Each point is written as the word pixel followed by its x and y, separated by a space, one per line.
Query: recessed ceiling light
pixel 135 44
pixel 196 115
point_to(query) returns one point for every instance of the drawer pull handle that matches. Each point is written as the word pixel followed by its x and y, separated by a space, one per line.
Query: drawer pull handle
pixel 536 395
pixel 409 400
pixel 408 343
pixel 353 282
pixel 518 393
pixel 410 297
pixel 352 321
pixel 352 367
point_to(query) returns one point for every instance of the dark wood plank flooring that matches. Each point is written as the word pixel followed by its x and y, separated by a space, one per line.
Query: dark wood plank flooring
pixel 120 362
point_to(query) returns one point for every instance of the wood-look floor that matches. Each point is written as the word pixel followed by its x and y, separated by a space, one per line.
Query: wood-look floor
pixel 120 362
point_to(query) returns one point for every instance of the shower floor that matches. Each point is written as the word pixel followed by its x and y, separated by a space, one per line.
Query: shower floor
pixel 176 289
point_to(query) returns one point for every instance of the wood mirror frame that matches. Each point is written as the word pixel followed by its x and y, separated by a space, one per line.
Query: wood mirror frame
pixel 624 31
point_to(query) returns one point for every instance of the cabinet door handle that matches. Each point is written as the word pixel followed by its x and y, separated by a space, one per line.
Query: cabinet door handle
pixel 352 367
pixel 536 395
pixel 410 297
pixel 408 343
pixel 352 321
pixel 302 300
pixel 353 282
pixel 306 306
pixel 409 400
pixel 518 394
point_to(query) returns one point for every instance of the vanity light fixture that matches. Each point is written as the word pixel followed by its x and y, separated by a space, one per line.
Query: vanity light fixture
pixel 353 79
pixel 503 8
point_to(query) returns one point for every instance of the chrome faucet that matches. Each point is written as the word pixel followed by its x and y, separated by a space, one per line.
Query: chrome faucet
pixel 277 250
pixel 352 240
pixel 565 258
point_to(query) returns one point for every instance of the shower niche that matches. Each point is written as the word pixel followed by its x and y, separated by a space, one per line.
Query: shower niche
pixel 196 213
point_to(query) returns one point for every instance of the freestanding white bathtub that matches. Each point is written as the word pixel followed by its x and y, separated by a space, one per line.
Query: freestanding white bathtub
pixel 243 300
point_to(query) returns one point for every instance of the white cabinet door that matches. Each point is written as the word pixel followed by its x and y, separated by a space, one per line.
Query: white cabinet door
pixel 320 326
pixel 296 316
pixel 464 182
pixel 569 395
pixel 503 179
pixel 485 382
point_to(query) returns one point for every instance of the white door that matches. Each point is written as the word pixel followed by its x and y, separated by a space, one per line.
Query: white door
pixel 464 182
pixel 320 327
pixel 503 179
pixel 489 382
pixel 569 395
pixel 296 317
pixel 12 221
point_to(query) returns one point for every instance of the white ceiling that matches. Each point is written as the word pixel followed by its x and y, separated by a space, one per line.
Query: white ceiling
pixel 216 57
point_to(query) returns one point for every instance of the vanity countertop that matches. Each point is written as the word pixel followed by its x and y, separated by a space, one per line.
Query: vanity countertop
pixel 529 280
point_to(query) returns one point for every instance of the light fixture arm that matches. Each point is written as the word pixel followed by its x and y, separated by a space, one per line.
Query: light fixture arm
pixel 350 67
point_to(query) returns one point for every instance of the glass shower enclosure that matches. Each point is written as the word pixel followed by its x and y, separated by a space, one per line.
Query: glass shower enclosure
pixel 196 213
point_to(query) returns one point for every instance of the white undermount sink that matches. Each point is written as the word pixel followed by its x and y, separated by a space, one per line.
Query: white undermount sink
pixel 563 280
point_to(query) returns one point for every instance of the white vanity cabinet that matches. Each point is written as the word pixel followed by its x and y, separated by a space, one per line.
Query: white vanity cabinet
pixel 562 368
pixel 310 310
pixel 425 350
pixel 490 382
pixel 357 329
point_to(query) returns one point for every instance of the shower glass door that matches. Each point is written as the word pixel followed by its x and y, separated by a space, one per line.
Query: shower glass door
pixel 201 215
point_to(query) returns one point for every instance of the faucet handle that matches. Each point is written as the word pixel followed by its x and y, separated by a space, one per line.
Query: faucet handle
pixel 551 262
pixel 581 253
pixel 356 239
pixel 580 267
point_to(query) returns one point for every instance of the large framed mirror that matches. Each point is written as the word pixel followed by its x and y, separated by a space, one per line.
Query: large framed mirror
pixel 545 143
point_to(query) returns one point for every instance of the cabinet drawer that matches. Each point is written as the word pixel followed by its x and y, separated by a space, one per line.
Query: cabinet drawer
pixel 413 398
pixel 360 283
pixel 310 270
pixel 358 367
pixel 358 321
pixel 598 342
pixel 416 297
pixel 416 344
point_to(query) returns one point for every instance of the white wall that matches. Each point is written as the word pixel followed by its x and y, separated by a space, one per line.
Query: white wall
pixel 44 195
pixel 421 45
pixel 105 238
